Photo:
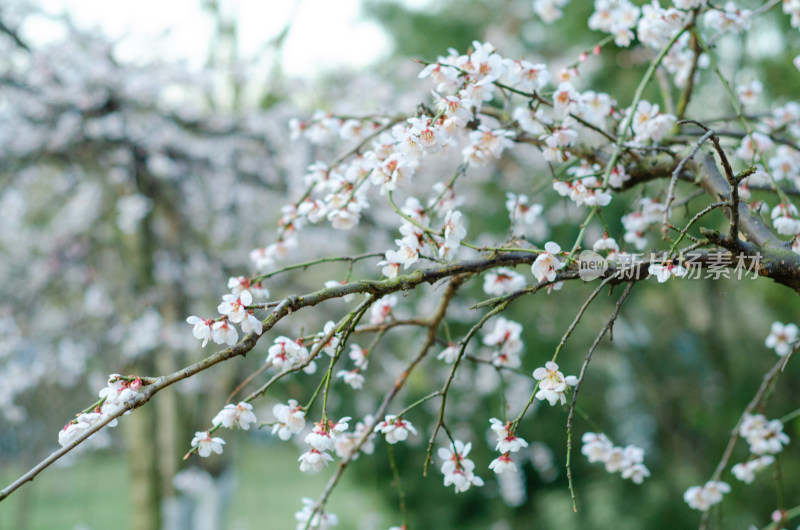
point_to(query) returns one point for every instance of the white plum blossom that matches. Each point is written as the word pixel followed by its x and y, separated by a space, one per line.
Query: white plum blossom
pixel 749 93
pixel 395 429
pixel 730 18
pixel 286 353
pixel 291 419
pixel 449 354
pixel 746 471
pixel 704 497
pixel 565 100
pixel 324 433
pixel 332 344
pixel 382 310
pixel 346 442
pixel 201 328
pixel 503 464
pixel 606 243
pixel 234 307
pixel 784 218
pixel 527 76
pixel 314 460
pixel 119 392
pixel 486 144
pixel 547 263
pixel 549 10
pixel 359 356
pixel 649 124
pixel 657 25
pixel 454 232
pixel 664 272
pixel 240 415
pixel 596 447
pixel 781 338
pixel 616 17
pixel 458 470
pixel 206 444
pixel 78 427
pixel 552 383
pixel 764 436
pixel 752 144
pixel 502 281
pixel 505 338
pixel 308 518
pixel 251 324
pixel 223 333
pixel 506 440
pixel 352 378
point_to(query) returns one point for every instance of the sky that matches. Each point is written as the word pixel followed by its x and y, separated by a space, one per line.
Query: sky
pixel 325 35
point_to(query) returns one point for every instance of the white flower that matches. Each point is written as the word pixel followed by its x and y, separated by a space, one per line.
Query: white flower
pixel 454 232
pixel 781 338
pixel 649 124
pixel 382 309
pixel 352 378
pixel 506 440
pixel 552 383
pixel 308 518
pixel 546 264
pixel 665 272
pixel 206 444
pixel 763 435
pixel 285 353
pixel 503 463
pixel 77 428
pixel 502 281
pixel 486 144
pixel 324 433
pixel 223 333
pixel 231 415
pixel 201 329
pixel 596 447
pixel 251 324
pixel 746 471
pixel 704 497
pixel 457 468
pixel 605 243
pixel 752 144
pixel 565 100
pixel 636 473
pixel 359 356
pixel 505 337
pixel 449 354
pixel 234 307
pixel 395 429
pixel 749 93
pixel 314 460
pixel 783 218
pixel 291 419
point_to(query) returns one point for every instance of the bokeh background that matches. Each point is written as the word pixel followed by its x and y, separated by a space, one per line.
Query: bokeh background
pixel 144 151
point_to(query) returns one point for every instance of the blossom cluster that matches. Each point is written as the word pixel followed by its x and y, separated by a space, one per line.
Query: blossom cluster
pixel 458 470
pixel 507 443
pixel 119 394
pixel 628 460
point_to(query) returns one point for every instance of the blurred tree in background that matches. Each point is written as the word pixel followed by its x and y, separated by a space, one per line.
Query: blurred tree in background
pixel 131 193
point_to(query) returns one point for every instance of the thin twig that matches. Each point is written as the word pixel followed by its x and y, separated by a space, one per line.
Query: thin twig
pixel 588 358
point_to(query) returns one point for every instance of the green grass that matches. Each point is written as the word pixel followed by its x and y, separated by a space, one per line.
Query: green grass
pixel 93 494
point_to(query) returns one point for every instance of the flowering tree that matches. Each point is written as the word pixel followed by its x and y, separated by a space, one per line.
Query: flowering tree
pixel 510 185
